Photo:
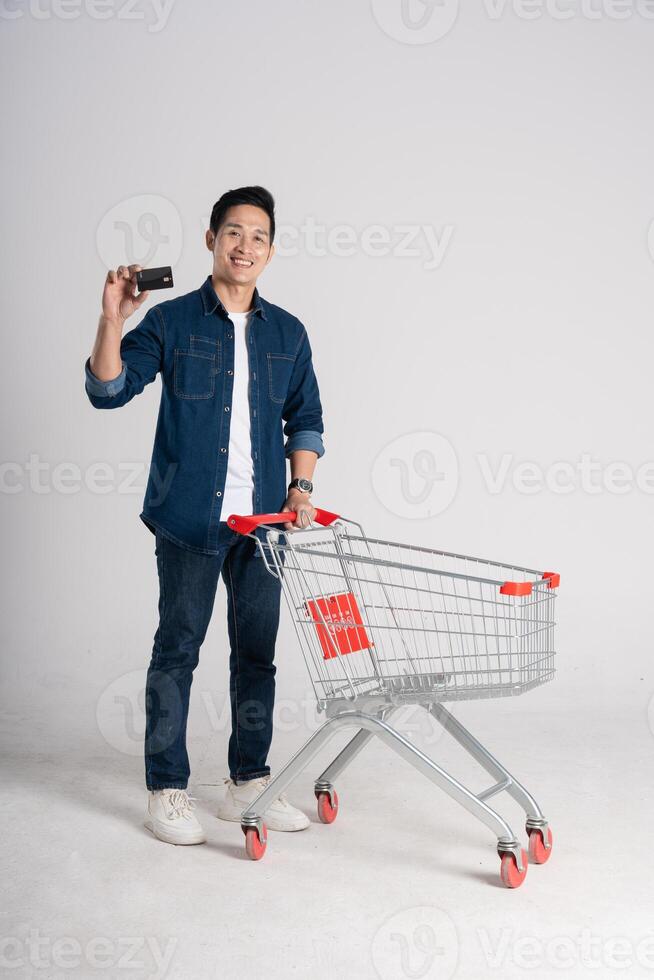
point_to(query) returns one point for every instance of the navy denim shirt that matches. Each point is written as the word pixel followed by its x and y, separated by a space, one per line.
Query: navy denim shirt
pixel 190 340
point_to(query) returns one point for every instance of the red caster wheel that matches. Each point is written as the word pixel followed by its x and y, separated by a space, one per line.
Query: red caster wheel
pixel 327 808
pixel 538 853
pixel 511 876
pixel 255 848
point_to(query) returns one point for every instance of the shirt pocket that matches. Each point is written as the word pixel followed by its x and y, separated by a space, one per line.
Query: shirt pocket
pixel 280 369
pixel 206 345
pixel 194 373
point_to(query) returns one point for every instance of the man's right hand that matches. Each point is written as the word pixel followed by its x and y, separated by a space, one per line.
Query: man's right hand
pixel 120 298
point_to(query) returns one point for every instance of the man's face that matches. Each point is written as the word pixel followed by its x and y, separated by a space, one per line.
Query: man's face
pixel 241 246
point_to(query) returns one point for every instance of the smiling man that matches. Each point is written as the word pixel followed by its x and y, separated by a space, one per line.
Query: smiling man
pixel 239 397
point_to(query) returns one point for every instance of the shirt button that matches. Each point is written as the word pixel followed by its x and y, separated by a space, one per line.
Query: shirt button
pixel 226 408
pixel 229 336
pixel 219 494
pixel 230 372
pixel 223 450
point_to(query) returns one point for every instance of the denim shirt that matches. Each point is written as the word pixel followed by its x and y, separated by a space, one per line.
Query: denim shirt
pixel 190 340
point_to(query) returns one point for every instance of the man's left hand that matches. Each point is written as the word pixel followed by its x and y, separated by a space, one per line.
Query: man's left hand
pixel 303 508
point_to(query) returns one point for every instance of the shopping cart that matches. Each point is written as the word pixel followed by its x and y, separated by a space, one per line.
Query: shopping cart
pixel 382 625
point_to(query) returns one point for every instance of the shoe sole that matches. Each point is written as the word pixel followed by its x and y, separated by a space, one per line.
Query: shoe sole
pixel 170 838
pixel 272 826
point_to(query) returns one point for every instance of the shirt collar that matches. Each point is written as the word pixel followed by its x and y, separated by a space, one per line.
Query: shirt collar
pixel 211 301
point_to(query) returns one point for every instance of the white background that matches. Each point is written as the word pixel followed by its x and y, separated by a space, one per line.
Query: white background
pixel 525 144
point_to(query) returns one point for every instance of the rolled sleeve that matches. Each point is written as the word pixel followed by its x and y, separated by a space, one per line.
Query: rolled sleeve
pixel 104 389
pixel 305 439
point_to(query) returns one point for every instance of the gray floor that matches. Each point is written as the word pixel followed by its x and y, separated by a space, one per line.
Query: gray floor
pixel 404 884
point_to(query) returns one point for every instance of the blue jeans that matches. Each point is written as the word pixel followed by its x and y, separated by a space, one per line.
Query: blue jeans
pixel 187 589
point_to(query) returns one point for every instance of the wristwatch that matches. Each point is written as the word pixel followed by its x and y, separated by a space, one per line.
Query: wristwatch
pixel 306 486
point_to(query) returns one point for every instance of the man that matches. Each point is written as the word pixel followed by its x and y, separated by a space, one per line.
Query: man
pixel 237 376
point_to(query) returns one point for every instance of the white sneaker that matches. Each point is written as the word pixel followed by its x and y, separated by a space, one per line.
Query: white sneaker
pixel 280 815
pixel 170 819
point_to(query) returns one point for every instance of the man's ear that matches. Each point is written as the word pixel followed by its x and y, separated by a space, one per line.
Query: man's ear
pixel 209 239
pixel 270 254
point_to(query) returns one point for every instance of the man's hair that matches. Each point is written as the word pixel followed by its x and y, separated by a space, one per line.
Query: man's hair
pixel 259 197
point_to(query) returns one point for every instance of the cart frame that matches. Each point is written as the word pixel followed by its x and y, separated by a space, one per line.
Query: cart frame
pixel 368 704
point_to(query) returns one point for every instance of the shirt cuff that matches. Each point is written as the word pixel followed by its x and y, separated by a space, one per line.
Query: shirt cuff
pixel 305 439
pixel 104 389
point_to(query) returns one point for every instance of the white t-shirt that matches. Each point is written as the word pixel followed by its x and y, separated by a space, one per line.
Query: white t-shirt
pixel 239 485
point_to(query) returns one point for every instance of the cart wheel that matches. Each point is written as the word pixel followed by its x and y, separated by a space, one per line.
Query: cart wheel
pixel 327 810
pixel 254 847
pixel 538 853
pixel 509 873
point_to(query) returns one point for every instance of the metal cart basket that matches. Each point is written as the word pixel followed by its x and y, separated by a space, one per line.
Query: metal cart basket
pixel 383 624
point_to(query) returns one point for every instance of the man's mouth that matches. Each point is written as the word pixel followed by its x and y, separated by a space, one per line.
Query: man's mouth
pixel 241 263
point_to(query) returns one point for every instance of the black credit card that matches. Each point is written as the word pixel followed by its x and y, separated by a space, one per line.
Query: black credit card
pixel 154 278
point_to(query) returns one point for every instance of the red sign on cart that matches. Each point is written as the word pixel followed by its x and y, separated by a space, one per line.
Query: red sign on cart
pixel 338 624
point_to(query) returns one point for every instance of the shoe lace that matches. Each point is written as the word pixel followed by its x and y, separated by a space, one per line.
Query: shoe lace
pixel 180 804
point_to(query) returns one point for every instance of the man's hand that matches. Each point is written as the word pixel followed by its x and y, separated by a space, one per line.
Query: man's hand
pixel 120 298
pixel 299 502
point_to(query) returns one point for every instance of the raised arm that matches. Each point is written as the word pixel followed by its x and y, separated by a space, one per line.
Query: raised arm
pixel 119 369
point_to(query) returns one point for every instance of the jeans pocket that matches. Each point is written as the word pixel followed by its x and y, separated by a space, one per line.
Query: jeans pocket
pixel 194 374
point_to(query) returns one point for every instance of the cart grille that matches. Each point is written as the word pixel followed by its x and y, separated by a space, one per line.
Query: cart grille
pixel 410 623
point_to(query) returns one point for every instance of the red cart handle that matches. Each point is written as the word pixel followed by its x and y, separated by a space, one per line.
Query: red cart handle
pixel 243 525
